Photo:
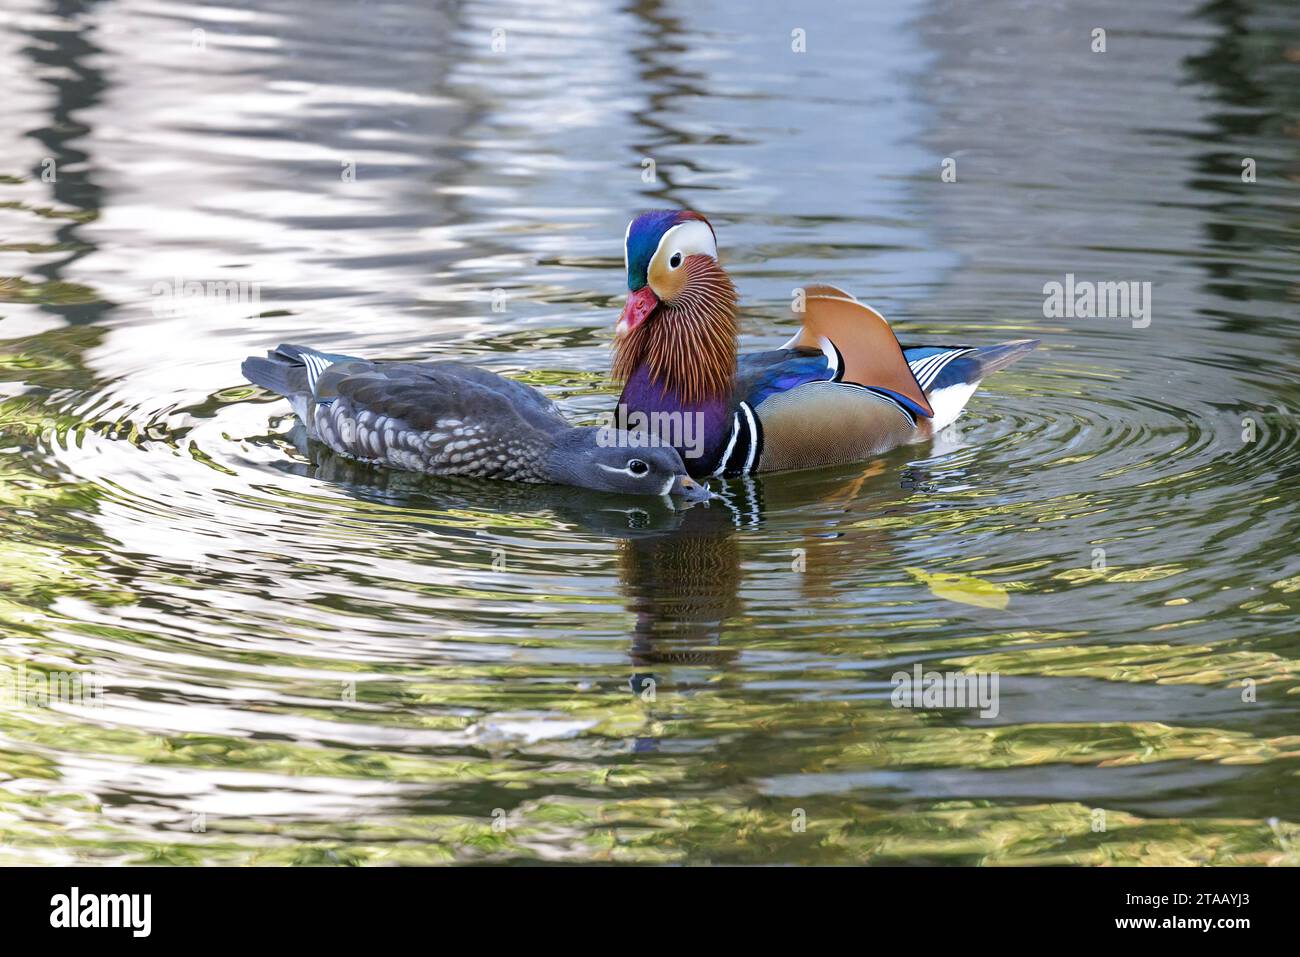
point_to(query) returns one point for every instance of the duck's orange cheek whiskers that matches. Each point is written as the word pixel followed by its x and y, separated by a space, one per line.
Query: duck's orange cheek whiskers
pixel 639 306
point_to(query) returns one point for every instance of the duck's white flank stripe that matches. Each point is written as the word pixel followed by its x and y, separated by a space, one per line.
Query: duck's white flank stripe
pixel 753 436
pixel 731 444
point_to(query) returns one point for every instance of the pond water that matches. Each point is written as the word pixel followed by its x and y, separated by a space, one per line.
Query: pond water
pixel 296 659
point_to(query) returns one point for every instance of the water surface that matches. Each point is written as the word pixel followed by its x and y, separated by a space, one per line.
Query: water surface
pixel 308 661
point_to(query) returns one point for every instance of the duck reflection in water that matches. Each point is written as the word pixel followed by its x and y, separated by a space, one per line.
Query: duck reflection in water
pixel 680 564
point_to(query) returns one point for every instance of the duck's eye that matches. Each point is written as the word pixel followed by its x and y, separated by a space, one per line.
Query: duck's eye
pixel 637 467
pixel 675 260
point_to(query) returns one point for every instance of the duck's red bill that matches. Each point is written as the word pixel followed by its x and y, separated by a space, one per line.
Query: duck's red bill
pixel 639 306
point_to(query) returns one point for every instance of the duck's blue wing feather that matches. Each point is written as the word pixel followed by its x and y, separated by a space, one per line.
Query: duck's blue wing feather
pixel 760 375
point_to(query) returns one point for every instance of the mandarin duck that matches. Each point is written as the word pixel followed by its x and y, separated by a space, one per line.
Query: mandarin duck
pixel 841 390
pixel 445 418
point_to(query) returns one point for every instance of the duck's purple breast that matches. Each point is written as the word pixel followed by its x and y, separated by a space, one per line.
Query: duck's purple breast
pixel 699 432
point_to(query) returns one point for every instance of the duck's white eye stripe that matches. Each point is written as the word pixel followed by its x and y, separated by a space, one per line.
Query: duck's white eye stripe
pixel 623 471
pixel 627 234
pixel 688 238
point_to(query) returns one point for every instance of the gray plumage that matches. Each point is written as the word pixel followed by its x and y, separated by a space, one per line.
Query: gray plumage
pixel 446 418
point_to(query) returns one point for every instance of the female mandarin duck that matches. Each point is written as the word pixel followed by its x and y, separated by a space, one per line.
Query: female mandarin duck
pixel 841 390
pixel 445 418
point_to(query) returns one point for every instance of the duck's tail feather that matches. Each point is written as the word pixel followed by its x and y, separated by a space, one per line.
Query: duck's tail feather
pixel 282 375
pixel 989 359
pixel 290 370
pixel 950 374
pixel 939 367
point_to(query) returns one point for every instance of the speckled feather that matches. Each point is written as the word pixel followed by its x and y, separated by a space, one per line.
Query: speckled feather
pixel 439 417
pixel 445 418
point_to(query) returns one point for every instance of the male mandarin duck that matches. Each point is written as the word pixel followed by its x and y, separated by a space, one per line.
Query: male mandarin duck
pixel 444 418
pixel 841 390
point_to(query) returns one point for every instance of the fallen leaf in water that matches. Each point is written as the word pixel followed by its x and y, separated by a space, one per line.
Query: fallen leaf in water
pixel 966 589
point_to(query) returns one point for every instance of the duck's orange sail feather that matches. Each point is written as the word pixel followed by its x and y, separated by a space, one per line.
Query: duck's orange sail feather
pixel 871 353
